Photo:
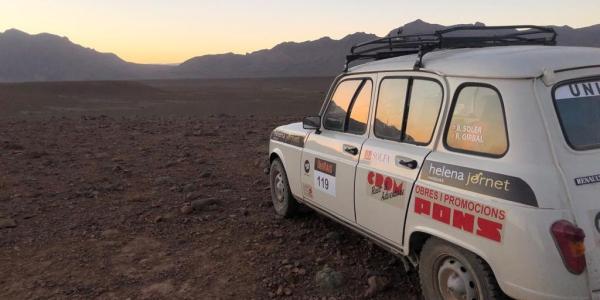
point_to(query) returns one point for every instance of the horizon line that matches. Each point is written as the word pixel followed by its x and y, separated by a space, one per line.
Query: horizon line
pixel 7 29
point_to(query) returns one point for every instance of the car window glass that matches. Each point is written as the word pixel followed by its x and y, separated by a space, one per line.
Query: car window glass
pixel 477 124
pixel 359 112
pixel 425 102
pixel 335 116
pixel 578 107
pixel 390 109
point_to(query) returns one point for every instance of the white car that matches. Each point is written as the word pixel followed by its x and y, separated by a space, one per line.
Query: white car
pixel 474 157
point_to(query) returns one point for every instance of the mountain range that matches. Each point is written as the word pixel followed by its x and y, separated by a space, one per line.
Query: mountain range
pixel 47 57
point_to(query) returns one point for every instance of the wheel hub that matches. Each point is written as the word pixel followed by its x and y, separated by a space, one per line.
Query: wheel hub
pixel 279 187
pixel 455 282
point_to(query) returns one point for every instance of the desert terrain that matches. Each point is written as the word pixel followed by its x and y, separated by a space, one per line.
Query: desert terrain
pixel 156 190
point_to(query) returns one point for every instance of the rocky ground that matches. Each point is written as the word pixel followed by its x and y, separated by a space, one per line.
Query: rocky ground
pixel 116 208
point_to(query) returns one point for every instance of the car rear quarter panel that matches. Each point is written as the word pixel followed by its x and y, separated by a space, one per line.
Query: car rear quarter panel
pixel 525 261
pixel 576 164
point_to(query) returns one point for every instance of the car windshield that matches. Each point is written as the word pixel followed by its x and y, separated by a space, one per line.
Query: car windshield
pixel 578 107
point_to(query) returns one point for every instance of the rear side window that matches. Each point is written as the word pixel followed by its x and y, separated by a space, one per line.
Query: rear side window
pixel 424 108
pixel 578 107
pixel 348 110
pixel 477 122
pixel 407 110
pixel 390 109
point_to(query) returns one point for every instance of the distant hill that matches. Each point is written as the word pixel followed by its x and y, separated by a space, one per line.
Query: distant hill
pixel 323 57
pixel 47 57
pixel 326 56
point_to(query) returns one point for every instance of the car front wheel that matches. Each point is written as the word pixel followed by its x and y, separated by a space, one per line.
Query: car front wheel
pixel 283 201
pixel 449 272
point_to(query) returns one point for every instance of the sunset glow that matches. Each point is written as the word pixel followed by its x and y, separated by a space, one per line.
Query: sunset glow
pixel 161 31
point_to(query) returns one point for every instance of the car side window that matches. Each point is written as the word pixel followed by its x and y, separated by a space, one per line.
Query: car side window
pixel 477 123
pixel 359 110
pixel 348 110
pixel 390 108
pixel 424 105
pixel 408 110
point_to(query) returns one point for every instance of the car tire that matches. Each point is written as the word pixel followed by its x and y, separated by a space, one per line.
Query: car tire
pixel 284 203
pixel 447 271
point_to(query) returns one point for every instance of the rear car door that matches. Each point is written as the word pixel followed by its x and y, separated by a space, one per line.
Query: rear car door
pixel 577 107
pixel 404 121
pixel 330 155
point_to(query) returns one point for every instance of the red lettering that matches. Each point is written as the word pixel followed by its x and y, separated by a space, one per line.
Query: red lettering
pixel 399 188
pixel 489 229
pixel 427 192
pixel 450 200
pixel 501 215
pixel 441 213
pixel 422 207
pixel 418 189
pixel 388 183
pixel 463 221
pixel 378 180
pixel 487 210
pixel 470 206
pixel 456 214
pixel 370 178
pixel 494 213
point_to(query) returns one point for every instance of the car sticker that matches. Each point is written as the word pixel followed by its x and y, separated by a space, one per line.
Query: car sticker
pixel 587 180
pixel 483 182
pixel 291 139
pixel 324 176
pixel 468 133
pixel 578 90
pixel 376 156
pixel 467 215
pixel 307 191
pixel 383 187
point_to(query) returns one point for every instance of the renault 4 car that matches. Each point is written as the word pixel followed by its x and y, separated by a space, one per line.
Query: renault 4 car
pixel 472 153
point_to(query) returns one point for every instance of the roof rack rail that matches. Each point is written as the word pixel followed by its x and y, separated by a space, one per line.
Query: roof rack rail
pixel 421 44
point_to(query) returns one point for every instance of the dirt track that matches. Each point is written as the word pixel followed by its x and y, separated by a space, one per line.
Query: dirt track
pixel 101 203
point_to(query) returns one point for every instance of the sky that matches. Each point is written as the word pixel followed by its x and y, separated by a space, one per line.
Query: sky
pixel 172 31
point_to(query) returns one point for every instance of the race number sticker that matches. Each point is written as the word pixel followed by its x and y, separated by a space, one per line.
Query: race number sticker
pixel 324 176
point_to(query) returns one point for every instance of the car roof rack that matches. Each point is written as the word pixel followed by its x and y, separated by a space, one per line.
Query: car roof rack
pixel 472 37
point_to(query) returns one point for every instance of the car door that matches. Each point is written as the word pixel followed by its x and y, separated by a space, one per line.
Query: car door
pixel 404 122
pixel 331 154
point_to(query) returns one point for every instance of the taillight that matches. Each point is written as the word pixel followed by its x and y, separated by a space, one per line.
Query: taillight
pixel 569 241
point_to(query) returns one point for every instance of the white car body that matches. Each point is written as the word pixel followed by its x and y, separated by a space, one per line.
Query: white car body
pixel 513 199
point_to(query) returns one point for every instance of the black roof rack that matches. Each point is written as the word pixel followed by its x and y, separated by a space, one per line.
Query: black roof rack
pixel 451 38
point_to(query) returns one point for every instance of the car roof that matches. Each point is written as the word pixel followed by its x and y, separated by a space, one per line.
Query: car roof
pixel 492 62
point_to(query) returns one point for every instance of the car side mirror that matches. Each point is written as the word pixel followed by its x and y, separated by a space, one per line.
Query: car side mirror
pixel 312 122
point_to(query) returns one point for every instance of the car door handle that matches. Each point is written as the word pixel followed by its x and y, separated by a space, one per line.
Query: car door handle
pixel 411 164
pixel 350 149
